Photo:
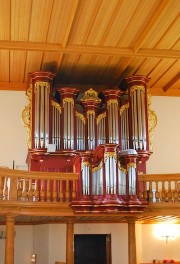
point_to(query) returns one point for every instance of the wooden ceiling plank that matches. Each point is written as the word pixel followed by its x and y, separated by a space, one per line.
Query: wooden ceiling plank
pixel 70 22
pixel 171 36
pixel 5 18
pixel 152 22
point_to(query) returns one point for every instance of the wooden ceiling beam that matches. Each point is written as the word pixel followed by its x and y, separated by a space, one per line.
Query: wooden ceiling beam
pixel 126 52
pixel 150 25
pixel 30 46
pixel 13 86
pixel 91 50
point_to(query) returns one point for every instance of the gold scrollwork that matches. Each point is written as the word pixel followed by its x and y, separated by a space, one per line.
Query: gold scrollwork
pixel 56 105
pixel 152 122
pixel 81 117
pixel 90 112
pixel 100 117
pixel 85 164
pixel 112 101
pixel 121 168
pixel 27 116
pixel 97 168
pixel 123 108
pixel 110 154
pixel 137 87
pixel 131 165
pixel 68 100
pixel 42 84
pixel 90 95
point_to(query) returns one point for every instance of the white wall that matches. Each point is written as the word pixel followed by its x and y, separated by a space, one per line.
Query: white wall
pixel 12 133
pixel 41 243
pixel 154 247
pixel 23 245
pixel 165 157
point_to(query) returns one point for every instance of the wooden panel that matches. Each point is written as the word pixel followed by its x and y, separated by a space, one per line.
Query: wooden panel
pixel 20 19
pixel 121 19
pixel 17 65
pixel 169 75
pixel 40 16
pixel 33 62
pixel 163 24
pixel 147 66
pixel 51 61
pixel 5 19
pixel 158 71
pixel 61 15
pixel 138 22
pixel 4 62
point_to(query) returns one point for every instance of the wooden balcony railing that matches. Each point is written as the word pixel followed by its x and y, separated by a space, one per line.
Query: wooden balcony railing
pixel 16 185
pixel 158 188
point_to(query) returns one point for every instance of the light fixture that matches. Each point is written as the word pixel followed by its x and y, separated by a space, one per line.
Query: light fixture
pixel 166 230
pixel 33 258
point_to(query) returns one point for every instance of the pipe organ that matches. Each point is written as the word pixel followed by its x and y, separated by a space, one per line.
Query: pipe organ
pixel 103 137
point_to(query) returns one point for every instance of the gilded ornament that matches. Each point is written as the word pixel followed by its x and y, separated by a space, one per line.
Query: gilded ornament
pixel 123 170
pixel 81 117
pixel 137 87
pixel 56 105
pixel 27 116
pixel 97 168
pixel 42 84
pixel 112 101
pixel 68 100
pixel 90 112
pixel 85 164
pixel 152 122
pixel 91 95
pixel 131 165
pixel 100 117
pixel 109 155
pixel 123 108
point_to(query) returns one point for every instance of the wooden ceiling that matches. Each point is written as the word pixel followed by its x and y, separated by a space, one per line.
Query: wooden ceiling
pixel 91 43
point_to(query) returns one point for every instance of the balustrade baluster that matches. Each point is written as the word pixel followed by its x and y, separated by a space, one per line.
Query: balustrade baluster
pixel 150 192
pixel 19 190
pixel 157 193
pixel 36 191
pixel 67 191
pixel 30 191
pixel 74 190
pixel 25 190
pixel 5 189
pixel 175 193
pixel 54 191
pixel 48 191
pixel 1 188
pixel 169 193
pixel 163 193
pixel 42 192
pixel 61 191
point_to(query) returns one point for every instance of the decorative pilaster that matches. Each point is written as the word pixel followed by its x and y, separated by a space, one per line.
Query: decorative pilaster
pixel 9 249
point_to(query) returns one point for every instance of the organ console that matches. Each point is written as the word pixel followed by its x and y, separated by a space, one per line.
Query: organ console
pixel 104 137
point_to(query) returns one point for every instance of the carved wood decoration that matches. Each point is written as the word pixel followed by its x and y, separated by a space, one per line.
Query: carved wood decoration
pixel 102 137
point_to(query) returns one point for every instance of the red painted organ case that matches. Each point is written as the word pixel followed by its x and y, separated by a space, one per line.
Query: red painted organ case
pixel 102 137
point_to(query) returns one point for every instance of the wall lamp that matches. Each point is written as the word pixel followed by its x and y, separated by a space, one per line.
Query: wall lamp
pixel 33 258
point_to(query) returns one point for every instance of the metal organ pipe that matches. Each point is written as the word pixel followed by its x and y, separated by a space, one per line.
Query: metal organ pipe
pixel 41 130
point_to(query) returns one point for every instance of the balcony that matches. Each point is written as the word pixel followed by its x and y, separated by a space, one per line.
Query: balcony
pixel 44 197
